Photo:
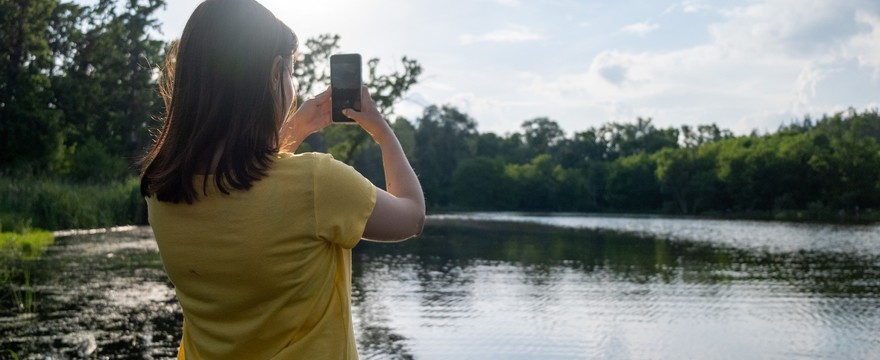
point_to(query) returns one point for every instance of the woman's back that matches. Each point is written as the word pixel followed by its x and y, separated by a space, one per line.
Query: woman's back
pixel 259 249
pixel 265 272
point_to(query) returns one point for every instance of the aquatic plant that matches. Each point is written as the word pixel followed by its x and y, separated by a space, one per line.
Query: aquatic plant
pixel 25 246
pixel 17 251
pixel 12 354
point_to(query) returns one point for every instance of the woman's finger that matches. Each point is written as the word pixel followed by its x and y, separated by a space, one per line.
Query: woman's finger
pixel 365 94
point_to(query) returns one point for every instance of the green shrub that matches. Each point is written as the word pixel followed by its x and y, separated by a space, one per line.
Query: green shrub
pixel 91 162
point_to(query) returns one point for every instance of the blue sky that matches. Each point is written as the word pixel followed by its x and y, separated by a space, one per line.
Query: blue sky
pixel 742 64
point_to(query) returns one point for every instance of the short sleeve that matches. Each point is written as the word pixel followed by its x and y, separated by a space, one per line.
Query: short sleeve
pixel 344 200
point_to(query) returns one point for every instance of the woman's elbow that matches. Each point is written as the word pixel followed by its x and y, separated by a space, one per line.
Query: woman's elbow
pixel 420 223
pixel 395 219
pixel 415 222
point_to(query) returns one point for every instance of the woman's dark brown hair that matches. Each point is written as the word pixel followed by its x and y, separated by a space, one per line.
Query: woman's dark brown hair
pixel 221 102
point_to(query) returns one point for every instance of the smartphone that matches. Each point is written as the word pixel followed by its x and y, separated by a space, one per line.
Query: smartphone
pixel 346 83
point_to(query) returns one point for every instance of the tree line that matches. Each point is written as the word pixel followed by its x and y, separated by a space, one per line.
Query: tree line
pixel 807 169
pixel 78 100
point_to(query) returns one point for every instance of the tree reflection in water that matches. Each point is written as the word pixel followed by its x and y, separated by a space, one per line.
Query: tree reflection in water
pixel 446 271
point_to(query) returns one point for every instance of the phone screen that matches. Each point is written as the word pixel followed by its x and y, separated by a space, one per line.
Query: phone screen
pixel 346 82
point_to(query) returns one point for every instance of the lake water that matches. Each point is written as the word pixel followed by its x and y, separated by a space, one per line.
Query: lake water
pixel 515 286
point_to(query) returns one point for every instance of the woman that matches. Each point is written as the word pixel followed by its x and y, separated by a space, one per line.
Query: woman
pixel 257 240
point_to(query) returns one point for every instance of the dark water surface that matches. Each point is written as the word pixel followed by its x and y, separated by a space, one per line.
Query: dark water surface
pixel 512 286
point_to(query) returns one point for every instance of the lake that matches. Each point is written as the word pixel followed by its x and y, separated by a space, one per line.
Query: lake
pixel 514 286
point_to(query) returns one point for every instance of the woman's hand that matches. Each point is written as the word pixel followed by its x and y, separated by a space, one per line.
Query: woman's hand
pixel 311 117
pixel 369 118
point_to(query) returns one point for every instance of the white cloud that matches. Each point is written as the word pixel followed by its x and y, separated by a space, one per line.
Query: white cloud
pixel 437 85
pixel 511 34
pixel 866 46
pixel 640 29
pixel 805 86
pixel 692 6
pixel 806 83
pixel 688 6
pixel 511 3
pixel 813 28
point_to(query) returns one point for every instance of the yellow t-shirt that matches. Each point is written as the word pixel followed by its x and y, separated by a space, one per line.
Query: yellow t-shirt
pixel 266 273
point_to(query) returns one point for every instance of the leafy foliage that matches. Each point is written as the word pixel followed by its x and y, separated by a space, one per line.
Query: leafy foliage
pixel 76 73
pixel 78 95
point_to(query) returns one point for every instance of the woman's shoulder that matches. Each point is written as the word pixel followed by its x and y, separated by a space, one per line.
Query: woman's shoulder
pixel 319 164
pixel 308 162
pixel 302 158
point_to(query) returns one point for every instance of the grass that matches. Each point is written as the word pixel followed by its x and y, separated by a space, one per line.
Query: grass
pixel 17 250
pixel 23 296
pixel 25 246
pixel 57 204
pixel 12 354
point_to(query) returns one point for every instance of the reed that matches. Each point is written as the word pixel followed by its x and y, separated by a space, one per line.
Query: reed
pixel 12 354
pixel 58 204
pixel 17 251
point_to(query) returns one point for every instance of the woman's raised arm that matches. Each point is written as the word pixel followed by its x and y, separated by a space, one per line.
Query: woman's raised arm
pixel 400 211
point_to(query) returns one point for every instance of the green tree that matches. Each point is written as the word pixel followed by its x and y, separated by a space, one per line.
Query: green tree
pixel 703 134
pixel 444 137
pixel 582 148
pixel 630 139
pixel 687 176
pixel 537 183
pixel 849 170
pixel 574 192
pixel 542 135
pixel 511 148
pixel 631 184
pixel 29 126
pixel 480 183
pixel 105 84
pixel 142 52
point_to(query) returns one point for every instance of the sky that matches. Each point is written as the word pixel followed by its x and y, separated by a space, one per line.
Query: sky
pixel 741 64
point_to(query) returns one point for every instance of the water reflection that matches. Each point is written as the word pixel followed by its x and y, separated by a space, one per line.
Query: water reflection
pixel 502 290
pixel 484 289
